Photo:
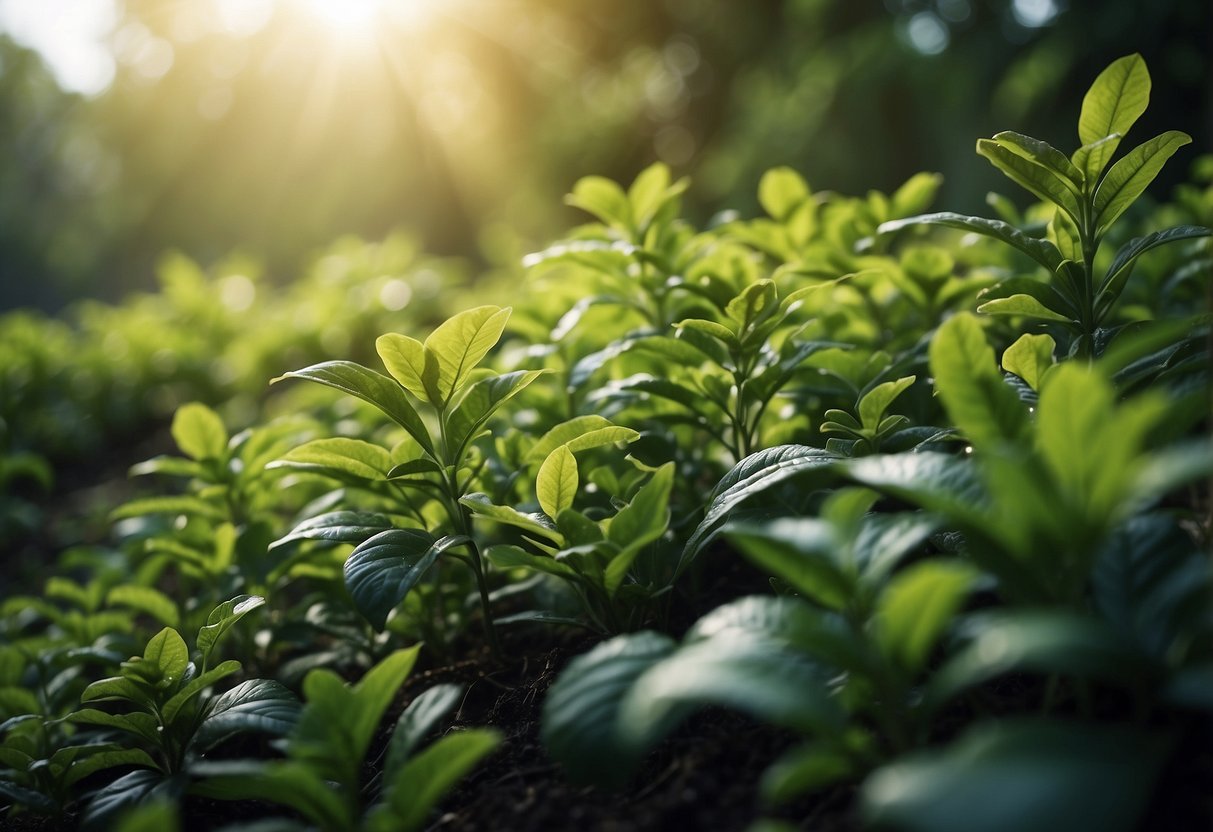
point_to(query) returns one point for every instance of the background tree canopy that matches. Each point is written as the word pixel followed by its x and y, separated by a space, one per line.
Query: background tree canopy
pixel 274 126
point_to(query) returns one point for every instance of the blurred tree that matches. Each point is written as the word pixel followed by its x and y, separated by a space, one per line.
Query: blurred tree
pixel 257 124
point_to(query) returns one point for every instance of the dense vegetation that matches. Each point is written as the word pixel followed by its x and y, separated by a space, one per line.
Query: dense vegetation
pixel 970 470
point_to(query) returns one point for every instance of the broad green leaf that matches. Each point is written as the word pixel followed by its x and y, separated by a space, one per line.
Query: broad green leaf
pixel 1118 273
pixel 420 718
pixel 1129 177
pixel 1042 643
pixel 176 504
pixel 639 523
pixel 556 485
pixel 194 687
pixel 1092 158
pixel 257 705
pixel 877 400
pixel 580 726
pixel 764 678
pixel 795 550
pixel 461 342
pixel 985 409
pixel 423 781
pixel 565 432
pixel 384 568
pixel 140 724
pixel 222 618
pixel 1030 357
pixel 291 784
pixel 1021 305
pixel 810 767
pixel 112 757
pixel 710 328
pixel 1063 233
pixel 1042 153
pixel 1042 251
pixel 337 526
pixel 482 401
pixel 199 432
pixel 172 466
pixel 781 191
pixel 604 199
pixel 372 387
pixel 650 192
pixel 1033 176
pixel 147 600
pixel 340 455
pixel 748 478
pixel 166 651
pixel 917 608
pixel 512 557
pixel 129 791
pixel 115 688
pixel 1025 773
pixel 405 359
pixel 754 304
pixel 1116 99
pixel 480 505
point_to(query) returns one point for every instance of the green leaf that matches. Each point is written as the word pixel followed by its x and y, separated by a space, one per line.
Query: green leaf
pixel 112 757
pixel 810 767
pixel 21 796
pixel 199 432
pixel 221 620
pixel 556 485
pixel 405 359
pixel 339 455
pixel 795 549
pixel 877 400
pixel 918 606
pixel 1116 99
pixel 1092 158
pixel 290 784
pixel 420 718
pixel 604 199
pixel 182 504
pixel 781 191
pixel 480 505
pixel 1042 643
pixel 580 725
pixel 565 432
pixel 1043 154
pixel 372 387
pixel 128 791
pixel 754 304
pixel 461 342
pixel 1030 357
pixel 1118 273
pixel 257 705
pixel 1033 176
pixel 513 557
pixel 1021 305
pixel 115 688
pixel 147 600
pixel 482 401
pixel 337 526
pixel 1025 773
pixel 748 478
pixel 985 409
pixel 166 651
pixel 423 781
pixel 384 568
pixel 144 726
pixel 194 687
pixel 1042 251
pixel 1129 177
pixel 638 524
pixel 764 678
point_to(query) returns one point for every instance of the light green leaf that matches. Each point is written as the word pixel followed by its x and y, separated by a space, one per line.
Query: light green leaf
pixel 877 400
pixel 1116 99
pixel 480 505
pixel 1021 305
pixel 167 651
pixel 604 199
pixel 754 304
pixel 781 191
pixel 405 359
pixel 461 342
pixel 1042 153
pixel 482 401
pixel 221 620
pixel 917 607
pixel 372 387
pixel 1092 158
pixel 1129 177
pixel 565 432
pixel 339 455
pixel 639 523
pixel 1032 175
pixel 199 432
pixel 423 781
pixel 556 485
pixel 1029 358
pixel 985 409
pixel 145 599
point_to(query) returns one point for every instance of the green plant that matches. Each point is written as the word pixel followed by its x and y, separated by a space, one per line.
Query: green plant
pixel 322 775
pixel 1088 198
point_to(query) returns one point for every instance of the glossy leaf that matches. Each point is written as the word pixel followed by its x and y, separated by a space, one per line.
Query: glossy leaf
pixel 423 781
pixel 1116 99
pixel 337 526
pixel 420 718
pixel 405 360
pixel 1042 251
pixel 1033 176
pixel 556 484
pixel 384 568
pixel 461 342
pixel 222 618
pixel 1030 357
pixel 1023 306
pixel 257 705
pixel 1128 178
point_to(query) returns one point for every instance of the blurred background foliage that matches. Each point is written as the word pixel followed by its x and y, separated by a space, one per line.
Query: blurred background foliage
pixel 273 126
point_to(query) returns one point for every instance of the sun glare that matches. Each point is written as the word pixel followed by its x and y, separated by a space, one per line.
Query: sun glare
pixel 348 14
